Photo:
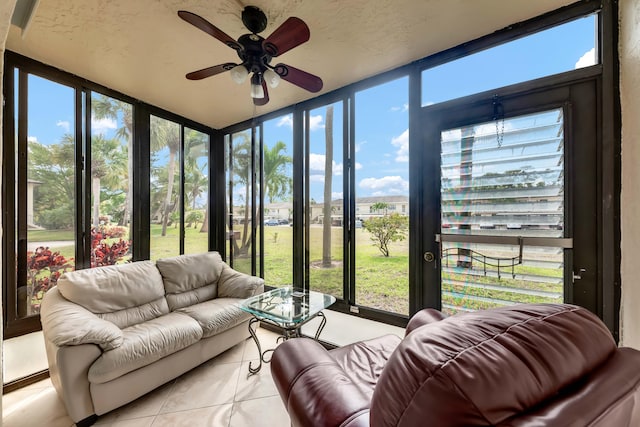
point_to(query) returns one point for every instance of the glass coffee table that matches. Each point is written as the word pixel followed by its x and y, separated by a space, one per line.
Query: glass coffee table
pixel 287 309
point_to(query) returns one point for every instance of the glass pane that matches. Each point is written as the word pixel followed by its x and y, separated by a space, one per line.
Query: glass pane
pixel 50 190
pixel 240 229
pixel 505 179
pixel 556 50
pixel 326 210
pixel 278 199
pixel 165 189
pixel 196 191
pixel 111 163
pixel 382 202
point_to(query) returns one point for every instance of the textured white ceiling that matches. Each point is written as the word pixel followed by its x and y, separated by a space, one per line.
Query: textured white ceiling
pixel 143 49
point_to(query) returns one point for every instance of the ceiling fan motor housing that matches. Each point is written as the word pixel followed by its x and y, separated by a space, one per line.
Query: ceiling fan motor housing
pixel 254 19
pixel 253 56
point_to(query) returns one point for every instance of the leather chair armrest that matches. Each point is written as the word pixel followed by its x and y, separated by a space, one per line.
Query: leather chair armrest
pixel 424 317
pixel 235 284
pixel 66 323
pixel 314 388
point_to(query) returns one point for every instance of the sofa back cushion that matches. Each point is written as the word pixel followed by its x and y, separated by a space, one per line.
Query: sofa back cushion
pixel 124 294
pixel 190 279
pixel 486 367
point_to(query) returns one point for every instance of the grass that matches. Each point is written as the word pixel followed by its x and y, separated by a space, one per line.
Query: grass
pixel 381 282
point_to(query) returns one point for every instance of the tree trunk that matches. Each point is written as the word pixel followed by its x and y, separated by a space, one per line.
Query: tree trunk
pixel 171 170
pixel 95 189
pixel 205 222
pixel 328 177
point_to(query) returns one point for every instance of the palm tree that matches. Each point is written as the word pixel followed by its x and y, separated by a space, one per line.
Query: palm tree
pixel 328 177
pixel 107 162
pixel 104 107
pixel 241 158
pixel 196 179
pixel 166 134
pixel 277 184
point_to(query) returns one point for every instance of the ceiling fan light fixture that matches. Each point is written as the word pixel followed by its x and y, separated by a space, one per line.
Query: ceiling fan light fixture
pixel 239 74
pixel 256 86
pixel 272 78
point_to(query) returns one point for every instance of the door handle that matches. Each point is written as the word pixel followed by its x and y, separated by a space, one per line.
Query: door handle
pixel 428 256
pixel 578 276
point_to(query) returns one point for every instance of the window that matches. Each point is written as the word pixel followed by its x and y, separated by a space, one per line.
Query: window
pixel 562 48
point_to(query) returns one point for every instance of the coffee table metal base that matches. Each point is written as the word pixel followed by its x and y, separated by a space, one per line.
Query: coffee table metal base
pixel 288 332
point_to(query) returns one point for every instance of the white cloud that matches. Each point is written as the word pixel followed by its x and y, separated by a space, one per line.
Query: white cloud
pixel 102 125
pixel 32 139
pixel 385 185
pixel 589 58
pixel 358 166
pixel 426 104
pixel 404 108
pixel 315 122
pixel 359 145
pixel 64 125
pixel 316 162
pixel 286 121
pixel 337 195
pixel 402 142
pixel 316 177
pixel 316 165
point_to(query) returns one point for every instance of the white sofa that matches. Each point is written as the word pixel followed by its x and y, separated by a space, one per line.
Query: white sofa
pixel 114 333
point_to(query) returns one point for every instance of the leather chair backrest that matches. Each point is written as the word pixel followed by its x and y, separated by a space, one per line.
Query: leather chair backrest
pixel 489 367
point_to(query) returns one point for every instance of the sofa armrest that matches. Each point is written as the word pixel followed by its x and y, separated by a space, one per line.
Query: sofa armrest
pixel 66 323
pixel 314 388
pixel 234 284
pixel 424 317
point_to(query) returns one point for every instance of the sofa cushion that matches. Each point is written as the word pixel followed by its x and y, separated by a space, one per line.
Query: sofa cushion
pixel 146 343
pixel 134 315
pixel 190 279
pixel 217 315
pixel 114 287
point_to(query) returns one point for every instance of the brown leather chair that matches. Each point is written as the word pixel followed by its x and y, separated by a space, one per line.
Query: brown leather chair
pixel 524 365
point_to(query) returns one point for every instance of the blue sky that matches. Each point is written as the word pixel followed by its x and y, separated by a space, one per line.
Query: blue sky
pixel 381 112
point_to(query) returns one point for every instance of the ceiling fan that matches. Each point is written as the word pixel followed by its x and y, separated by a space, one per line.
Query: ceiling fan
pixel 256 52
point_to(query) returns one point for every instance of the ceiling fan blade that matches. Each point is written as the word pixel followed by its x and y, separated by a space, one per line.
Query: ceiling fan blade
pixel 293 32
pixel 299 78
pixel 208 28
pixel 210 71
pixel 265 100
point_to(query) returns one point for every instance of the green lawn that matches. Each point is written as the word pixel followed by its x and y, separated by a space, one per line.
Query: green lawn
pixel 381 282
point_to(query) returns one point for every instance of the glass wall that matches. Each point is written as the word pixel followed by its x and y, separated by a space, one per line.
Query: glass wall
pixel 241 201
pixel 325 212
pixel 278 201
pixel 111 166
pixel 382 197
pixel 165 198
pixel 48 212
pixel 196 191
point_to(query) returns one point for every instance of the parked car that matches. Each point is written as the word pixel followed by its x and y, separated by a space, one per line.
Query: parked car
pixel 358 223
pixel 283 221
pixel 271 222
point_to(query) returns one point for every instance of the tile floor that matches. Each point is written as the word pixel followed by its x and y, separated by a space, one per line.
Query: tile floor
pixel 217 393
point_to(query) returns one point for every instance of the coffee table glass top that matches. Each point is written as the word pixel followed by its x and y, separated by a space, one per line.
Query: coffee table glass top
pixel 287 305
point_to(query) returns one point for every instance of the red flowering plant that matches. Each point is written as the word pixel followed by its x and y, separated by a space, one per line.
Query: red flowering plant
pixel 44 268
pixel 104 253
